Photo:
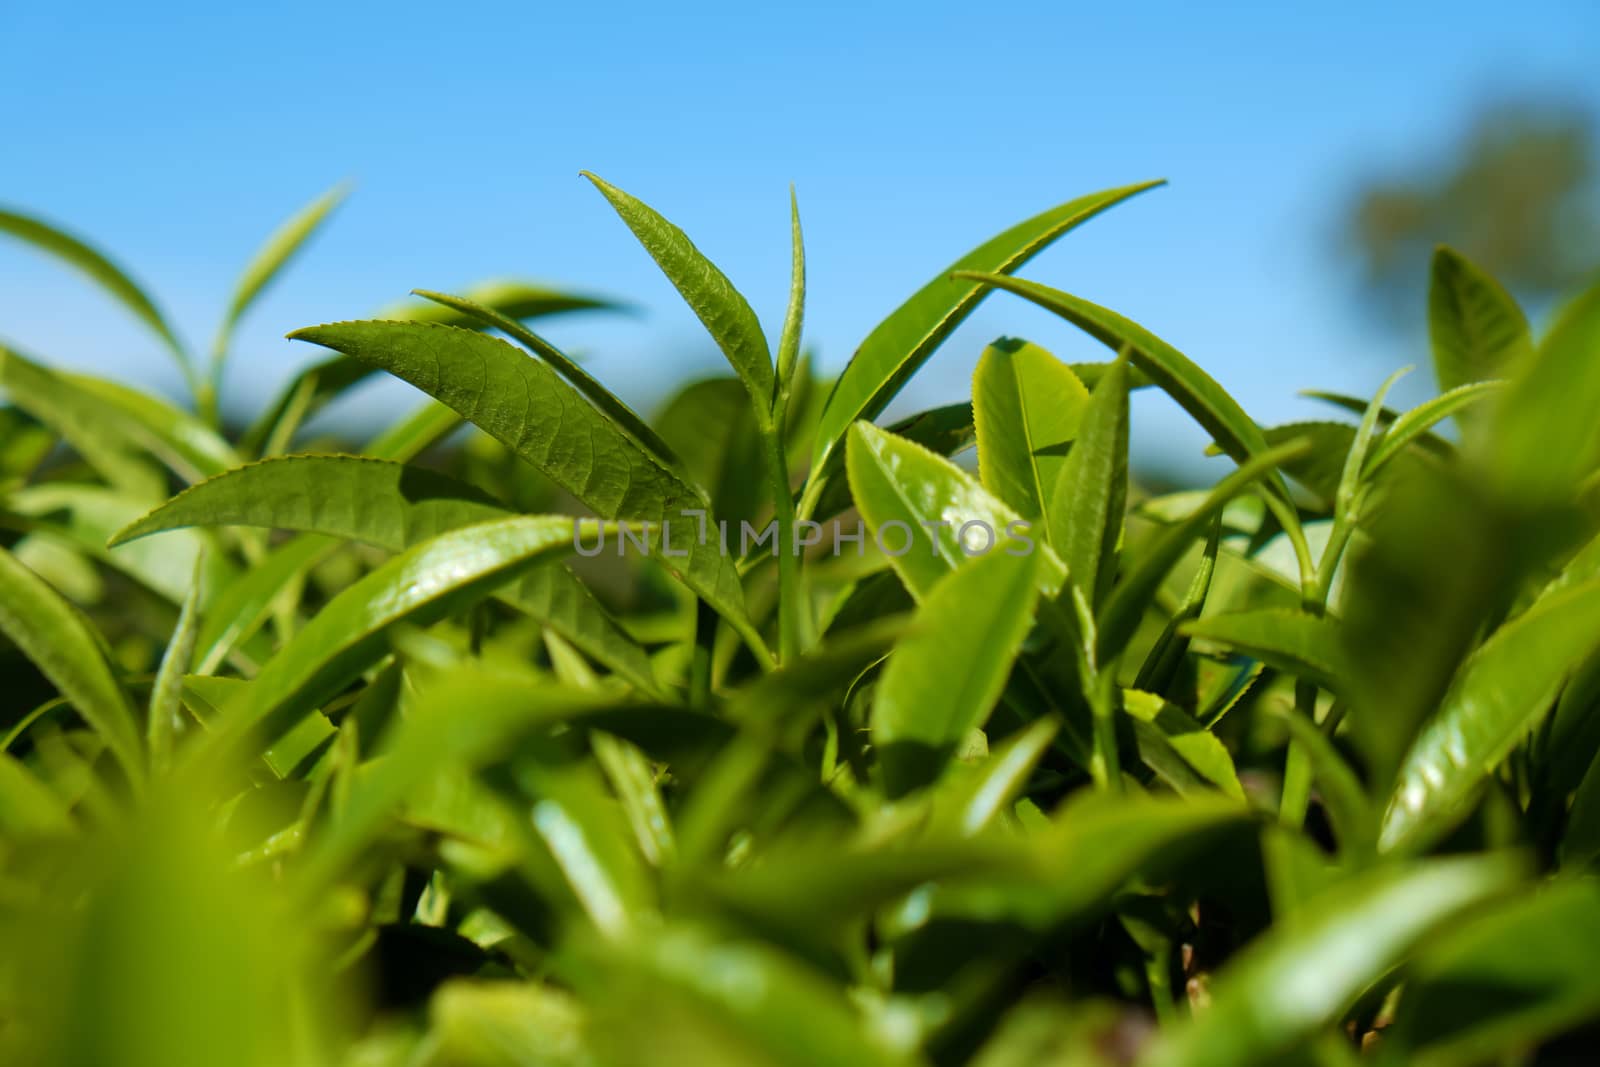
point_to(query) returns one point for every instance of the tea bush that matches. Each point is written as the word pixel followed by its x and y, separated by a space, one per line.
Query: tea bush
pixel 759 733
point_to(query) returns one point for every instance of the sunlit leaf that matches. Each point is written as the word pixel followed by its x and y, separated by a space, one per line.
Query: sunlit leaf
pixel 1086 502
pixel 899 345
pixel 394 507
pixel 1501 692
pixel 1028 406
pixel 723 310
pixel 946 675
pixel 525 405
pixel 420 585
pixel 58 639
pixel 929 515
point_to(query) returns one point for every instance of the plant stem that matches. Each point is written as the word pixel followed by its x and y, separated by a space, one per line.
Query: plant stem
pixel 1105 766
pixel 791 612
pixel 205 402
pixel 1296 797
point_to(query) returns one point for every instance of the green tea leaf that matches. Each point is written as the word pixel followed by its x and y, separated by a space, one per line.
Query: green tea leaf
pixel 1419 590
pixel 435 737
pixel 526 406
pixel 1477 330
pixel 382 503
pixel 111 278
pixel 975 799
pixel 480 1023
pixel 902 343
pixel 943 430
pixel 510 297
pixel 187 446
pixel 236 610
pixel 946 430
pixel 419 586
pixel 80 420
pixel 1501 692
pixel 912 498
pixel 586 835
pixel 59 640
pixel 723 310
pixel 794 316
pixel 1307 646
pixel 1502 982
pixel 634 781
pixel 1091 489
pixel 1422 418
pixel 1355 461
pixel 323 382
pixel 1194 390
pixel 269 260
pixel 385 504
pixel 1544 438
pixel 730 1001
pixel 1027 406
pixel 1197 746
pixel 599 395
pixel 945 676
pixel 1566 747
pixel 1298 978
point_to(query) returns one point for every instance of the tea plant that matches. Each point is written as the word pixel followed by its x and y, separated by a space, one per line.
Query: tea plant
pixel 759 733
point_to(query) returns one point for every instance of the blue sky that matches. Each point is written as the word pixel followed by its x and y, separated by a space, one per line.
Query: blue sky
pixel 177 138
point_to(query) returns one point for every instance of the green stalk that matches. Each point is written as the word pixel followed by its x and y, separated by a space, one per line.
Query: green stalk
pixel 1157 973
pixel 790 608
pixel 809 495
pixel 205 402
pixel 207 386
pixel 1315 587
pixel 1105 765
pixel 1296 798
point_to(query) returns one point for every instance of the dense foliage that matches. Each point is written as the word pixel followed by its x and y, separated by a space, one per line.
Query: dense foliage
pixel 378 758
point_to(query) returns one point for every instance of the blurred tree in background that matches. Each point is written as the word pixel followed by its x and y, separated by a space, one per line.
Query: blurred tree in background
pixel 1518 193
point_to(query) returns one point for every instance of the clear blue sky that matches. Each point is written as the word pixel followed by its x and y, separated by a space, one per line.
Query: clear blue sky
pixel 177 138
